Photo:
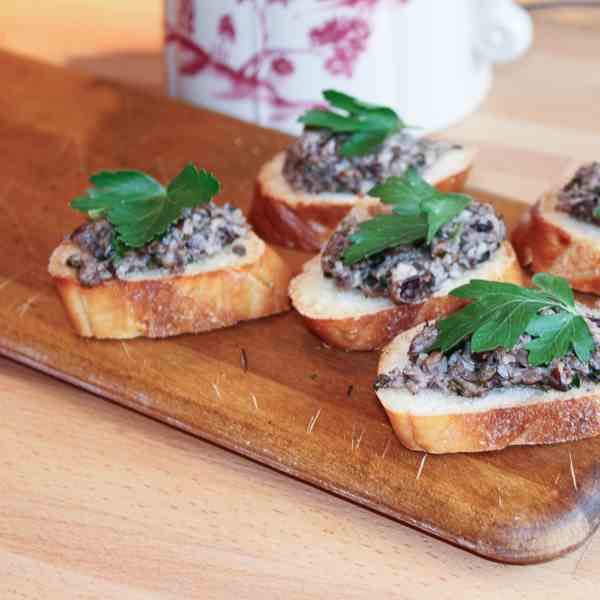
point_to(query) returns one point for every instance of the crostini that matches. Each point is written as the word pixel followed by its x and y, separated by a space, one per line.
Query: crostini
pixel 359 300
pixel 158 262
pixel 481 381
pixel 560 234
pixel 304 192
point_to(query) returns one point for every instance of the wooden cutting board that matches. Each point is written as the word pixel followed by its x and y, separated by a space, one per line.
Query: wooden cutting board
pixel 301 408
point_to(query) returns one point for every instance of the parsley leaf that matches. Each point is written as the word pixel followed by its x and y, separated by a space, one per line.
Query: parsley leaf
pixel 419 211
pixel 499 315
pixel 556 287
pixel 411 194
pixel 326 119
pixel 114 187
pixel 139 207
pixel 363 142
pixel 582 340
pixel 382 232
pixel 406 193
pixel 442 208
pixel 346 102
pixel 192 187
pixel 369 125
pixel 556 333
pixel 501 312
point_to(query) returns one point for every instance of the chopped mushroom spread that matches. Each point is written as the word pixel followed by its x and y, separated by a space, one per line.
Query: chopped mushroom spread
pixel 314 163
pixel 411 274
pixel 471 374
pixel 581 196
pixel 200 232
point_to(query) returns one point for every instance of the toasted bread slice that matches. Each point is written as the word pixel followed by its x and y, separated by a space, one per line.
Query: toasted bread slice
pixel 304 221
pixel 217 292
pixel 440 422
pixel 350 320
pixel 552 241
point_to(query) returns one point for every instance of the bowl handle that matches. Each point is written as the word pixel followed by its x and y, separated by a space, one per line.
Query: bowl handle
pixel 504 30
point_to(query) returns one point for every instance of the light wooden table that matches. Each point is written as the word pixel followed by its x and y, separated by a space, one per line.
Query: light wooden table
pixel 98 502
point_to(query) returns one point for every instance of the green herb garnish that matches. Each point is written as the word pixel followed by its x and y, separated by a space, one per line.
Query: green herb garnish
pixel 139 207
pixel 502 312
pixel 419 211
pixel 369 125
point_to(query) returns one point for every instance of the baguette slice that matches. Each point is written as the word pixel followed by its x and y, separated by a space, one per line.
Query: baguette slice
pixel 304 221
pixel 552 241
pixel 437 422
pixel 351 321
pixel 217 292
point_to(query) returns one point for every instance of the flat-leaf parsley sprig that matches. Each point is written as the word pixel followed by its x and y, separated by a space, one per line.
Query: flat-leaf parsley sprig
pixel 139 207
pixel 367 124
pixel 501 312
pixel 419 211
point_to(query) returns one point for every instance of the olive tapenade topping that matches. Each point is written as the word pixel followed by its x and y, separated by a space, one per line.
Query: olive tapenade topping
pixel 314 162
pixel 581 196
pixel 200 232
pixel 352 145
pixel 412 273
pixel 507 336
pixel 137 225
pixel 466 373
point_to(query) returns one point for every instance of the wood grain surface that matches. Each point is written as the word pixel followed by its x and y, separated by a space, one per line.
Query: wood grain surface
pixel 98 502
pixel 572 12
pixel 293 409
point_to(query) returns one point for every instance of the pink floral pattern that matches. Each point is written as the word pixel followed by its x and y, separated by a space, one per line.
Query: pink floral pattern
pixel 347 38
pixel 186 15
pixel 226 28
pixel 339 42
pixel 282 66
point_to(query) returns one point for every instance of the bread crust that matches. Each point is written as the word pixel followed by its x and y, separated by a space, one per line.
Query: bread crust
pixel 373 331
pixel 542 423
pixel 539 421
pixel 544 245
pixel 303 227
pixel 162 307
pixel 304 224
